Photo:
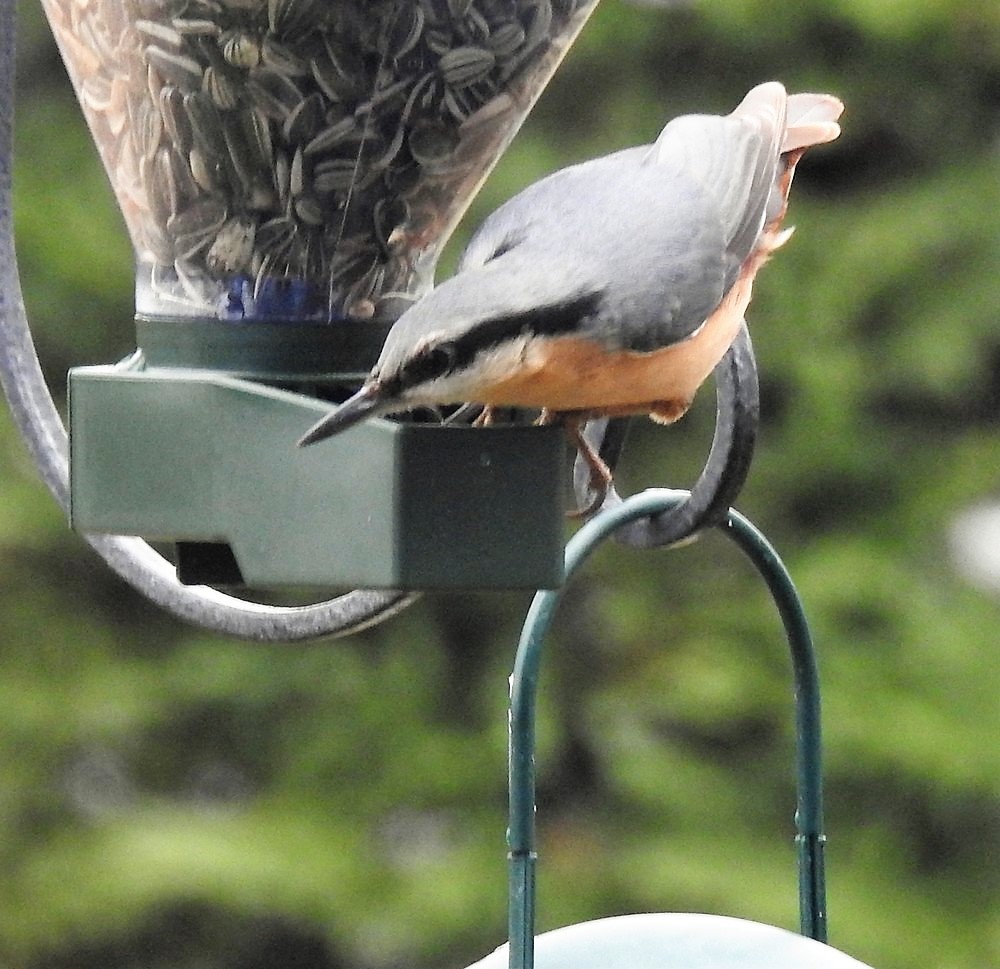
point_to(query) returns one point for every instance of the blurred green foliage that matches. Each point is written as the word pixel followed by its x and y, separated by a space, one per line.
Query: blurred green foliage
pixel 175 799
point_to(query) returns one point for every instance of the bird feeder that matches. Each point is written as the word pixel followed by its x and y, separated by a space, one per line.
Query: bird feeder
pixel 288 171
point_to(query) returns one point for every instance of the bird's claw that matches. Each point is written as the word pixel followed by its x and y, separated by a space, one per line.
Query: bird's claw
pixel 599 488
pixel 600 474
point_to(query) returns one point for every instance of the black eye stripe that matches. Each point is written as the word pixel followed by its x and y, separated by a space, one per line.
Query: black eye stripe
pixel 552 320
pixel 426 365
pixel 449 356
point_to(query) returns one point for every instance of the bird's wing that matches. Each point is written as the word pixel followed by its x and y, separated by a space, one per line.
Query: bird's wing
pixel 659 232
pixel 648 249
pixel 606 250
pixel 736 159
pixel 545 205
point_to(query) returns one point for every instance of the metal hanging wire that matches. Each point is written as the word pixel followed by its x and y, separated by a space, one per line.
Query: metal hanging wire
pixel 810 840
pixel 40 425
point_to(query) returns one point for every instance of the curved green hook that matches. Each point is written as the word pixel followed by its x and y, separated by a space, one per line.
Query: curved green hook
pixel 524 690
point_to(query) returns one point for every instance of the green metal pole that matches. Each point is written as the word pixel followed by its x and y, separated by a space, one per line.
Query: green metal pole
pixel 810 839
pixel 523 695
pixel 521 839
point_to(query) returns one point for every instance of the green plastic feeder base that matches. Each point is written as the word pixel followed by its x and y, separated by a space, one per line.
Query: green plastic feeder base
pixel 208 461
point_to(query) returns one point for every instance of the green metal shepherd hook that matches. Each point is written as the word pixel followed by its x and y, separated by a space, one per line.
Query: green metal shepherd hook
pixel 524 684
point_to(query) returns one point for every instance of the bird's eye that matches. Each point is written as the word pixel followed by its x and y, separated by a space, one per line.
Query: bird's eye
pixel 439 359
pixel 428 364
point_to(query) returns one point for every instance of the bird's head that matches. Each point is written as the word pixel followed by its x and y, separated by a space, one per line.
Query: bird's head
pixel 403 378
pixel 463 337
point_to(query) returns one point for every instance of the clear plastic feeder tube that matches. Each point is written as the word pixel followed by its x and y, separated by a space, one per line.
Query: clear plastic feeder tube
pixel 301 159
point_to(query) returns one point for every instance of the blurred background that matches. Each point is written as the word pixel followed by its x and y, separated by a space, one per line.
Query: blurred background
pixel 171 798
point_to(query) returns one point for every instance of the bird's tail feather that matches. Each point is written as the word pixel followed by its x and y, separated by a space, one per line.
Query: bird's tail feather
pixel 811 120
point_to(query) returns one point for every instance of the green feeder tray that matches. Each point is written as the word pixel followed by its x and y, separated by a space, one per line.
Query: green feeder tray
pixel 206 459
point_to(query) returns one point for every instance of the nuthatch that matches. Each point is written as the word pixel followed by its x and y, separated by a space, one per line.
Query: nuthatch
pixel 609 288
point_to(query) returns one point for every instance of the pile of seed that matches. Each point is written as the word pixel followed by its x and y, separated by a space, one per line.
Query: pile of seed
pixel 302 157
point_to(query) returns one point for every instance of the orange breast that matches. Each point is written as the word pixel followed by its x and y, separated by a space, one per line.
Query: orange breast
pixel 575 374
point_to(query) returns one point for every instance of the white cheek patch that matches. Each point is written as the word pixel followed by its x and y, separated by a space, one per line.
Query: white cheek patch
pixel 472 383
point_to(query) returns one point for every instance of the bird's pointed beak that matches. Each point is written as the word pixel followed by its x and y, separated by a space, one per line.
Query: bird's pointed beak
pixel 350 412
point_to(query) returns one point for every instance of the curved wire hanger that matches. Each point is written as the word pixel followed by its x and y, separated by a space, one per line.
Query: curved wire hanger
pixel 810 838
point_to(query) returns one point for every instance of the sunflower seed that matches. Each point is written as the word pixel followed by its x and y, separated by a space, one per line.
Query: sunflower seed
pixel 223 89
pixel 244 162
pixel 161 201
pixel 179 69
pixel 345 59
pixel 297 175
pixel 275 94
pixel 436 10
pixel 309 209
pixel 304 120
pixel 386 158
pixel 458 104
pixel 330 79
pixel 432 144
pixel 439 41
pixel 203 217
pixel 207 172
pixel 282 177
pixel 205 9
pixel 206 124
pixel 478 27
pixel 175 119
pixel 383 95
pixel 539 23
pixel 406 31
pixel 491 113
pixel 280 58
pixel 334 175
pixel 168 38
pixel 257 132
pixel 146 126
pixel 462 66
pixel 240 48
pixel 196 27
pixel 506 39
pixel 286 18
pixel 333 135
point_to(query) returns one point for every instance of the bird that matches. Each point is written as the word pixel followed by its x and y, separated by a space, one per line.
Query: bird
pixel 610 288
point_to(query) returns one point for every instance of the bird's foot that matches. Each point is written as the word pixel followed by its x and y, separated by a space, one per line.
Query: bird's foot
pixel 600 489
pixel 485 417
pixel 600 474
